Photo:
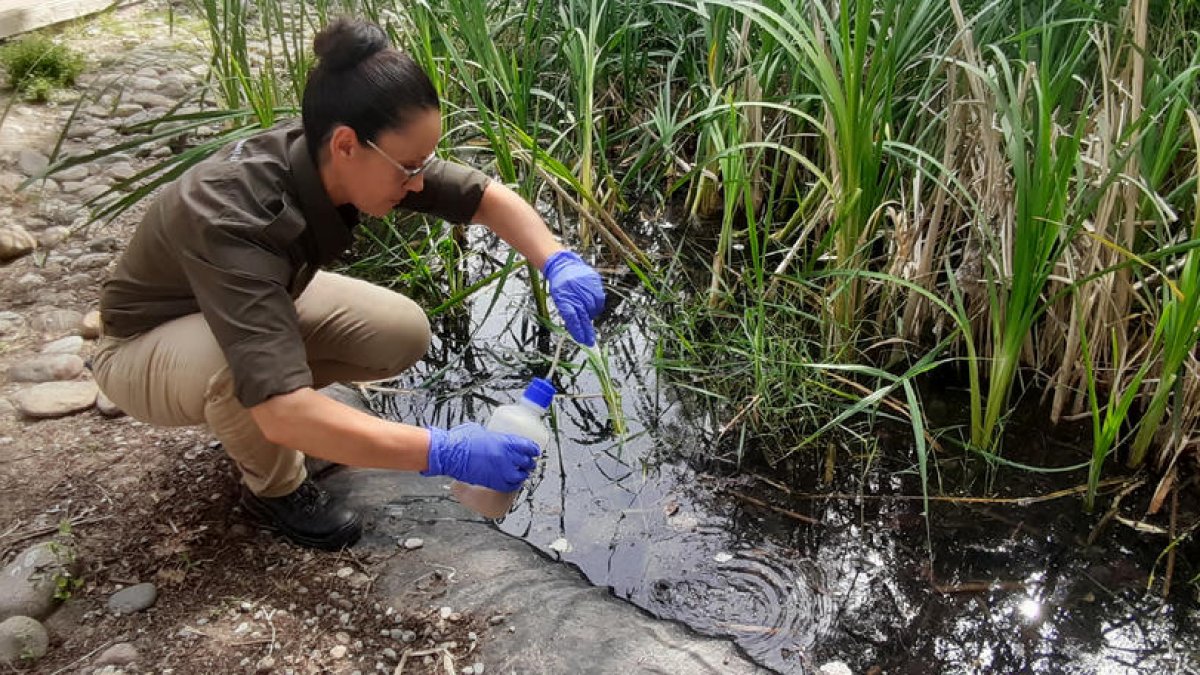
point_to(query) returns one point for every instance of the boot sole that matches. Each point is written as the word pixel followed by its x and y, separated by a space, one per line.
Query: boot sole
pixel 346 535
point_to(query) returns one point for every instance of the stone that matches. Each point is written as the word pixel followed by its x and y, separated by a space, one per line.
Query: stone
pixel 133 599
pixel 338 652
pixel 46 368
pixel 150 99
pixel 72 173
pixel 121 171
pixel 413 543
pixel 126 109
pixel 120 654
pixel 106 407
pixel 92 192
pixel 72 344
pixel 104 245
pixel 389 653
pixel 22 640
pixel 55 399
pixel 92 261
pixel 265 665
pixel 52 236
pixel 89 327
pixel 28 584
pixel 835 668
pixel 31 162
pixel 11 324
pixel 57 322
pixel 15 241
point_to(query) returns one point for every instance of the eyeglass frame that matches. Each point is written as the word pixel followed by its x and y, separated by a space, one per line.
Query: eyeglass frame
pixel 408 173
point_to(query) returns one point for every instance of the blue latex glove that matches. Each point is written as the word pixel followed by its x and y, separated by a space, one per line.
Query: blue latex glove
pixel 578 293
pixel 472 454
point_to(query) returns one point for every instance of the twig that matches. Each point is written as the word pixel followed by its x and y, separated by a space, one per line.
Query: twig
pixel 750 405
pixel 1112 511
pixel 270 621
pixel 448 659
pixel 1171 553
pixel 777 509
pixel 52 529
pixel 82 658
pixel 557 353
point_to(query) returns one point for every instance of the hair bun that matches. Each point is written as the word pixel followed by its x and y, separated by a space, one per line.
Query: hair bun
pixel 345 43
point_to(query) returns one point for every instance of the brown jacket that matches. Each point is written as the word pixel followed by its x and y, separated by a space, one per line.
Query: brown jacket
pixel 238 237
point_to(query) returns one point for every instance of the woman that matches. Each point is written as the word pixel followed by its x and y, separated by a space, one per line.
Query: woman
pixel 216 313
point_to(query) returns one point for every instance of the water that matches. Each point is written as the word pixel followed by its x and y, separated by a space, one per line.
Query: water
pixel 1009 590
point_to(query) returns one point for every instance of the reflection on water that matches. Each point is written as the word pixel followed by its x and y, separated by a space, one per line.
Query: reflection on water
pixel 1010 590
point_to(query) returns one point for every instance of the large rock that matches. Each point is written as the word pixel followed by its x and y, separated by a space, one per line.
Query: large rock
pixel 28 584
pixel 55 399
pixel 22 640
pixel 46 368
pixel 15 241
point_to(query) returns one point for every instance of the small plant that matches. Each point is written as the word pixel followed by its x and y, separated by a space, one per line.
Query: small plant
pixel 37 65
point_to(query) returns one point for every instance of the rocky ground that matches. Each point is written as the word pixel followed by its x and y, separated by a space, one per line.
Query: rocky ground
pixel 122 546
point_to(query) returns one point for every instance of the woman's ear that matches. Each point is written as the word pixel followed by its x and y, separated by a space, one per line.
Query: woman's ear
pixel 343 143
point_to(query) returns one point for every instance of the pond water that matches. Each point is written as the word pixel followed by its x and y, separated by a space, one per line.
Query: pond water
pixel 1010 588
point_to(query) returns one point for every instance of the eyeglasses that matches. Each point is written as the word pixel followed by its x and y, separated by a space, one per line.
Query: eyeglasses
pixel 408 173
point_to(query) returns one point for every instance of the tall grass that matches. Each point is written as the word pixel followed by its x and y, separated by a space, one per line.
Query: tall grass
pixel 870 189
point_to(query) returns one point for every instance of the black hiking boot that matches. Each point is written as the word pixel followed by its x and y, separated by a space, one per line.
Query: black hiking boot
pixel 307 516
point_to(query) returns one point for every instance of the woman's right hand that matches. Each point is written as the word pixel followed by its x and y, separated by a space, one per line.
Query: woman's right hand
pixel 472 454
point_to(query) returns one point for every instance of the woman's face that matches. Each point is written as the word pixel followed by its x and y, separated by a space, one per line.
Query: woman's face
pixel 376 175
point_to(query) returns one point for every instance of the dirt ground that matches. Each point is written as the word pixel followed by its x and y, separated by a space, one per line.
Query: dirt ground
pixel 159 505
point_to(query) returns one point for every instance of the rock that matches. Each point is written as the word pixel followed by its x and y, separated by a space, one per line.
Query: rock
pixel 389 653
pixel 72 344
pixel 57 322
pixel 345 572
pixel 113 670
pixel 149 99
pixel 52 236
pixel 133 599
pixel 22 640
pixel 120 654
pixel 413 543
pixel 265 665
pixel 121 171
pixel 46 368
pixel 338 652
pixel 55 399
pixel 92 192
pixel 15 241
pixel 28 584
pixel 92 261
pixel 126 109
pixel 89 327
pixel 104 245
pixel 31 162
pixel 835 668
pixel 73 173
pixel 106 407
pixel 11 324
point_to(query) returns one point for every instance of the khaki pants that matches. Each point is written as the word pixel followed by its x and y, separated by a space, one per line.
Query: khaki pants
pixel 176 375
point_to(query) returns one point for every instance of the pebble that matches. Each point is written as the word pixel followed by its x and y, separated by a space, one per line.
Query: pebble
pixel 265 665
pixel 835 668
pixel 52 236
pixel 413 543
pixel 74 173
pixel 561 545
pixel 92 192
pixel 338 652
pixel 445 613
pixel 120 654
pixel 342 637
pixel 89 326
pixel 133 599
pixel 46 368
pixel 345 572
pixel 22 640
pixel 55 399
pixel 15 241
pixel 92 261
pixel 242 628
pixel 72 344
pixel 28 583
pixel 389 653
pixel 496 620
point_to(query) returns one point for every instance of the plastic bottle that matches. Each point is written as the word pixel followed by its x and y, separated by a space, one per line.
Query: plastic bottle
pixel 524 418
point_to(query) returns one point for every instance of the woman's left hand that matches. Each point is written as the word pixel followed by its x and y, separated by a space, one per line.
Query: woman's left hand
pixel 578 293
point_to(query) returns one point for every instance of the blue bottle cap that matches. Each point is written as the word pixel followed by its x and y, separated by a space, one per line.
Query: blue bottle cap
pixel 540 392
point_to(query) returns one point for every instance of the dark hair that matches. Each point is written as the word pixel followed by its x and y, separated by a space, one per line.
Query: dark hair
pixel 361 81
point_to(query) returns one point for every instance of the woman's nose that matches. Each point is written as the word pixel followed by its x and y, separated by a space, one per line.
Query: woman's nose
pixel 416 183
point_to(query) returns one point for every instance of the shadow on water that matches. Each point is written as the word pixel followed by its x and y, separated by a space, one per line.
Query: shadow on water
pixel 1013 588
